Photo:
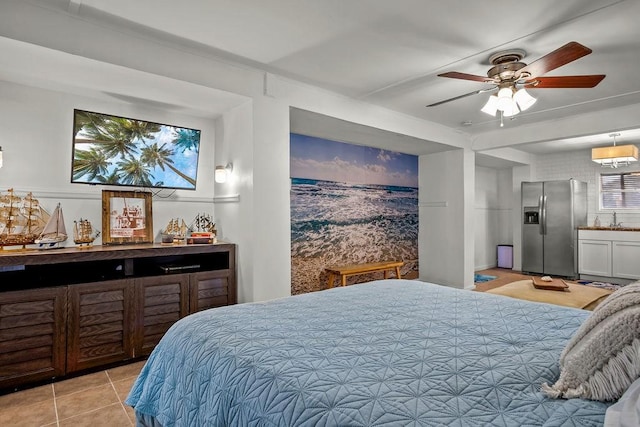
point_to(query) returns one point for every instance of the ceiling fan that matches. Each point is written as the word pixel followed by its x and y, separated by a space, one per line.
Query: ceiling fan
pixel 509 77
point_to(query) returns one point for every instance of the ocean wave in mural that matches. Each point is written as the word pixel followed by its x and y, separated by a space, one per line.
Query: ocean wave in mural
pixel 368 213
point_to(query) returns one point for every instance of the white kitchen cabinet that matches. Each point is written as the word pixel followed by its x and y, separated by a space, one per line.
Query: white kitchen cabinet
pixel 594 257
pixel 609 255
pixel 626 260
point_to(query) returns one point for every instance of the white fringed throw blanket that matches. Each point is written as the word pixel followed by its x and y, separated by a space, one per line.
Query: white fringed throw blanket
pixel 602 359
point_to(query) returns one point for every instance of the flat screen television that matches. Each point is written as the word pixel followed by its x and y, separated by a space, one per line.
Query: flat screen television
pixel 114 150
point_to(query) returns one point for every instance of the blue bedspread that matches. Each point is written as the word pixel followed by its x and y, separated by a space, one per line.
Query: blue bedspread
pixel 384 353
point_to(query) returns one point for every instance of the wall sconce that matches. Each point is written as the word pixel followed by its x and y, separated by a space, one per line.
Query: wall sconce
pixel 0 157
pixel 223 172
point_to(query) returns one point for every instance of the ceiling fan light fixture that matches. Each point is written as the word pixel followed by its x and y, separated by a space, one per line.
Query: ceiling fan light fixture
pixel 511 109
pixel 491 107
pixel 505 99
pixel 523 99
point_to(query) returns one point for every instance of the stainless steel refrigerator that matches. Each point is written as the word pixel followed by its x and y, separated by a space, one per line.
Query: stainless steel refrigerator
pixel 552 211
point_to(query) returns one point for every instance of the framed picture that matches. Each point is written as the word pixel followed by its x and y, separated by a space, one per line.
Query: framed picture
pixel 126 217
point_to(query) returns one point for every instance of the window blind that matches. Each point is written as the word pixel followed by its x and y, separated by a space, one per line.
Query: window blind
pixel 620 190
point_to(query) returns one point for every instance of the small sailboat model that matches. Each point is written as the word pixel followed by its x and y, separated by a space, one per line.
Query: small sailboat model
pixel 21 219
pixel 203 224
pixel 83 233
pixel 54 231
pixel 203 230
pixel 175 231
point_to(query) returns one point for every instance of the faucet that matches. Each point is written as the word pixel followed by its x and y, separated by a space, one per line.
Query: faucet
pixel 615 223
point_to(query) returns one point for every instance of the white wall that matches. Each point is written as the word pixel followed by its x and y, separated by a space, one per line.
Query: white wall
pixel 37 132
pixel 487 221
pixel 234 201
pixel 505 206
pixel 271 239
pixel 492 214
pixel 445 237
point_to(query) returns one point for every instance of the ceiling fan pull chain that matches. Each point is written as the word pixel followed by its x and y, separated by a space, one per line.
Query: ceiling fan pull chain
pixel 501 118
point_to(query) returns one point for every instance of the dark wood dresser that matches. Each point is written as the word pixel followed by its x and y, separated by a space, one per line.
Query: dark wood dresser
pixel 67 310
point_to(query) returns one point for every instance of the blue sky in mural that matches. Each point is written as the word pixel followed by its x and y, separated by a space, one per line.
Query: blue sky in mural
pixel 318 158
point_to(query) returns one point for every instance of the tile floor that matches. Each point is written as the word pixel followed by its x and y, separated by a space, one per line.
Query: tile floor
pixel 93 400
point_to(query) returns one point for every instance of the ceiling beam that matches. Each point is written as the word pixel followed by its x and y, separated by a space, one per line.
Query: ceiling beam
pixel 74 6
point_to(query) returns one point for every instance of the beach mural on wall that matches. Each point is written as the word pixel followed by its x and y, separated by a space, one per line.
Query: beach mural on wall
pixel 350 204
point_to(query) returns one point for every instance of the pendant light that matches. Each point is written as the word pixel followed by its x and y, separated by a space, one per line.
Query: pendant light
pixel 616 155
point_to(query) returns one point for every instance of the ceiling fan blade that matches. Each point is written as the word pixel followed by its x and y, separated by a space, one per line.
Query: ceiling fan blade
pixel 565 82
pixel 465 76
pixel 559 57
pixel 475 92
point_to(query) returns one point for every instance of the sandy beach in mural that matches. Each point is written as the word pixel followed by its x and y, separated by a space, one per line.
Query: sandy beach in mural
pixel 308 275
pixel 336 223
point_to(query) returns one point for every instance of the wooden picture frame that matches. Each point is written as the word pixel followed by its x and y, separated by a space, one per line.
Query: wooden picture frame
pixel 126 217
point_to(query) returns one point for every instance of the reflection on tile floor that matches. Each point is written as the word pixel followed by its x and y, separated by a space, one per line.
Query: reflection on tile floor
pixel 93 400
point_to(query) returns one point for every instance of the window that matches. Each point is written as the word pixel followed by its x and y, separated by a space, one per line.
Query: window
pixel 620 190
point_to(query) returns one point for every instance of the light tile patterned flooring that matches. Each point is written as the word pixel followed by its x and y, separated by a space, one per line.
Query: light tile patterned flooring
pixel 92 400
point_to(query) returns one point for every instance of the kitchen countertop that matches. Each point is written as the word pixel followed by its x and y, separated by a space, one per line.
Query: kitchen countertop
pixel 610 228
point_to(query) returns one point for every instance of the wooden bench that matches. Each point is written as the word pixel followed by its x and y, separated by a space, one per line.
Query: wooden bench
pixel 349 270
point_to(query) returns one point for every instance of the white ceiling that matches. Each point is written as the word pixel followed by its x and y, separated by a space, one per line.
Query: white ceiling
pixel 32 65
pixel 390 52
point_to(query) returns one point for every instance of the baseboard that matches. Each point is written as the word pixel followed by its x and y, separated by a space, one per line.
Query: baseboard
pixel 616 280
pixel 485 267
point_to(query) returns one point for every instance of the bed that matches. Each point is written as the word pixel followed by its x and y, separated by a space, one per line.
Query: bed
pixel 385 353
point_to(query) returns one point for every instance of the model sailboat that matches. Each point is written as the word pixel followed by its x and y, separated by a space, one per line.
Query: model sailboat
pixel 203 224
pixel 203 230
pixel 175 232
pixel 21 219
pixel 54 231
pixel 83 233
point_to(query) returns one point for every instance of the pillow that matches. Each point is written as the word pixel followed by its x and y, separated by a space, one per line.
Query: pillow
pixel 602 358
pixel 626 411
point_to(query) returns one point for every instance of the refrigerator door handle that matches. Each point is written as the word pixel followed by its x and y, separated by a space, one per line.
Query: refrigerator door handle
pixel 540 213
pixel 543 221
